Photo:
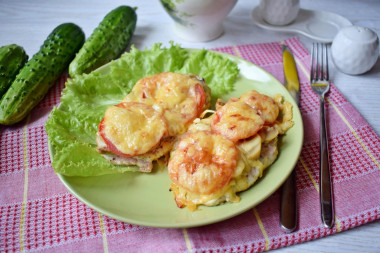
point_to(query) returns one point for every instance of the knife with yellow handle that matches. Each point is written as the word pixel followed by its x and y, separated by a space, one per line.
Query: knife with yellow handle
pixel 288 212
pixel 292 83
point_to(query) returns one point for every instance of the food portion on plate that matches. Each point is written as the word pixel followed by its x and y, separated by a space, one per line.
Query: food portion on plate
pixel 122 84
pixel 214 158
pixel 143 127
pixel 125 195
pixel 227 152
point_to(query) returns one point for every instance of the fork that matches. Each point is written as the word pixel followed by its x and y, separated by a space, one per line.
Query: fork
pixel 320 84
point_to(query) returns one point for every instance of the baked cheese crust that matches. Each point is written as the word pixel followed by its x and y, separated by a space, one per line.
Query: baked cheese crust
pixel 143 127
pixel 255 153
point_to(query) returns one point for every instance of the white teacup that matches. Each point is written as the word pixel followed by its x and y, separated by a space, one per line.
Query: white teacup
pixel 279 12
pixel 198 20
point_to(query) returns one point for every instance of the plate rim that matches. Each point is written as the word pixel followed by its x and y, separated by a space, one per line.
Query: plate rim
pixel 203 222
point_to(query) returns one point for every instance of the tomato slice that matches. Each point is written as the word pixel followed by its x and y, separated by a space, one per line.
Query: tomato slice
pixel 200 98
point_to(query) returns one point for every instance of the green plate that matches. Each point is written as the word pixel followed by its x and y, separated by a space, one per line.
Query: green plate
pixel 145 199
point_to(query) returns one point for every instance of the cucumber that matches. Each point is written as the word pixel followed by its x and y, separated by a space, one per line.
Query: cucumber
pixel 107 41
pixel 40 72
pixel 12 59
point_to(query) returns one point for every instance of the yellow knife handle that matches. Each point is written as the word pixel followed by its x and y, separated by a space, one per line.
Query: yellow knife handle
pixel 291 76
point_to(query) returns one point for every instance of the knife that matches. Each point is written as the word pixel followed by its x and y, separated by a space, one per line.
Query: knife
pixel 288 209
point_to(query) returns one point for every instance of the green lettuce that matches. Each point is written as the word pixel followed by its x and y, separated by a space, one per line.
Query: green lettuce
pixel 72 126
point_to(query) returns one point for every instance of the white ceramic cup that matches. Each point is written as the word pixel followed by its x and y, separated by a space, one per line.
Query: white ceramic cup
pixel 198 20
pixel 279 12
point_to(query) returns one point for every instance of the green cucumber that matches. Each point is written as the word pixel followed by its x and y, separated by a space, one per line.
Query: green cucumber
pixel 12 59
pixel 40 72
pixel 107 41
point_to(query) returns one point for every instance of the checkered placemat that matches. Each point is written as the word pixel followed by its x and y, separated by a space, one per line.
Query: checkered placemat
pixel 38 213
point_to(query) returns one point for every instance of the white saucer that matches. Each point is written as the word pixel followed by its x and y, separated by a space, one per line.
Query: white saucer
pixel 318 25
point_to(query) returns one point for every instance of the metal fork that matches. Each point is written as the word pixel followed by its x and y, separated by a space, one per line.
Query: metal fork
pixel 320 84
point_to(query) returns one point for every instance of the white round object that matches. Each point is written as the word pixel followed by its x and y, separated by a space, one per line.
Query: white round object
pixel 279 12
pixel 355 50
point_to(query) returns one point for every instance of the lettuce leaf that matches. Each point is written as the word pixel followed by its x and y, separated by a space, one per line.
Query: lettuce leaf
pixel 219 73
pixel 72 126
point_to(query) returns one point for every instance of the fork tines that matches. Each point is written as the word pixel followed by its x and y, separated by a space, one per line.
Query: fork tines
pixel 319 63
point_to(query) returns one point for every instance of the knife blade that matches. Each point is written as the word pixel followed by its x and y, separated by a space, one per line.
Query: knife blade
pixel 288 209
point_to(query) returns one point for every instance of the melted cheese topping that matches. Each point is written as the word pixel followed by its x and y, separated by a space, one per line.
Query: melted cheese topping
pixel 134 128
pixel 169 102
pixel 175 95
pixel 203 162
pixel 236 120
pixel 255 154
pixel 263 104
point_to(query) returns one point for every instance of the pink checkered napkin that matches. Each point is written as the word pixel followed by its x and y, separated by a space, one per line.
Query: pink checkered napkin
pixel 38 213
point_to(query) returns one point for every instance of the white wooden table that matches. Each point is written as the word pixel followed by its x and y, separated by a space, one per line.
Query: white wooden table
pixel 27 23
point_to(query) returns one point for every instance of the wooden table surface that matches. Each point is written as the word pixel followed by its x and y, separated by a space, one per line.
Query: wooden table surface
pixel 27 23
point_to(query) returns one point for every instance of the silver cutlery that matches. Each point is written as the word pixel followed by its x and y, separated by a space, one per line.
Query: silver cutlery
pixel 320 84
pixel 288 209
